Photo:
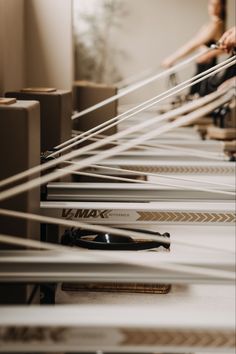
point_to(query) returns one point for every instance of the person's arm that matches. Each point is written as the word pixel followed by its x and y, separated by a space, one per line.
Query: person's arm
pixel 226 43
pixel 206 58
pixel 203 36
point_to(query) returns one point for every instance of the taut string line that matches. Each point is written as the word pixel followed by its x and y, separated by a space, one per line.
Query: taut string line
pixel 139 108
pixel 140 84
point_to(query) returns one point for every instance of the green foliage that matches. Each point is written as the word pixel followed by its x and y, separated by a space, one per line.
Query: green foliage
pixel 95 50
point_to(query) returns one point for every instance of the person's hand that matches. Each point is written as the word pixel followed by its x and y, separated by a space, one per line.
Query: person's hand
pixel 167 63
pixel 228 41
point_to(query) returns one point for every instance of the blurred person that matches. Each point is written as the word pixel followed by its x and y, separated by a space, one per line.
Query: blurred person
pixel 209 34
pixel 226 44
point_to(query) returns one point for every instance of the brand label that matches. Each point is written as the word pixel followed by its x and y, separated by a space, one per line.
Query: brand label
pixel 85 214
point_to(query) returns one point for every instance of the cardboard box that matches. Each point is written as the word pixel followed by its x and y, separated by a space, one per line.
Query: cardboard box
pixel 20 150
pixel 55 111
pixel 87 94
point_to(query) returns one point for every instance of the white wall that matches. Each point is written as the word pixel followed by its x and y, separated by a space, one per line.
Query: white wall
pixel 49 43
pixel 155 29
pixel 35 44
pixel 12 72
pixel 231 13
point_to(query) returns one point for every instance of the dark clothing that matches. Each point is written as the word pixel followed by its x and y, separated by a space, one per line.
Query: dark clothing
pixel 202 87
pixel 212 83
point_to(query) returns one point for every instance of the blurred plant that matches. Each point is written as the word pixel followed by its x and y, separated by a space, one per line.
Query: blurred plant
pixel 95 49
